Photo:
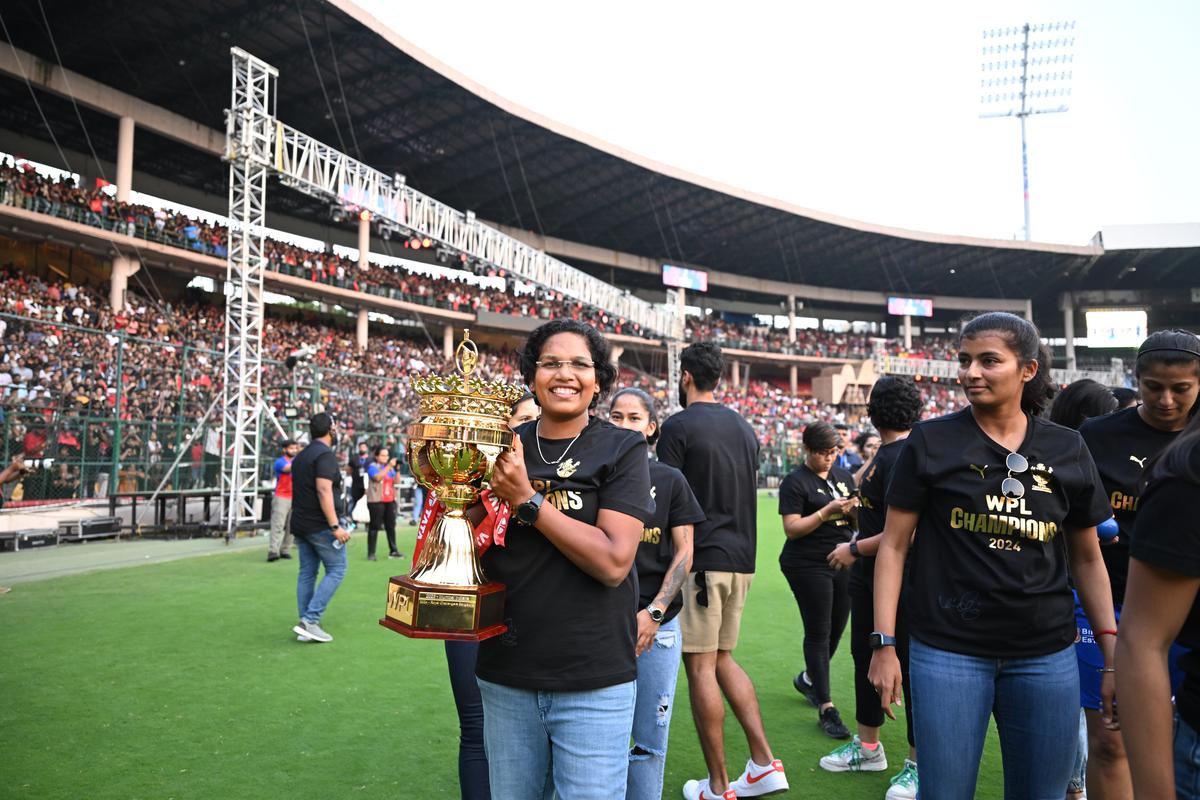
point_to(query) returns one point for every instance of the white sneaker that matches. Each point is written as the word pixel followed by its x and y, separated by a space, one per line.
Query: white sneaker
pixel 698 790
pixel 759 781
pixel 904 783
pixel 853 757
pixel 313 631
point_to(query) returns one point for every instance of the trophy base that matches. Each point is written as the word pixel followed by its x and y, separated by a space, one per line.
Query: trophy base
pixel 459 613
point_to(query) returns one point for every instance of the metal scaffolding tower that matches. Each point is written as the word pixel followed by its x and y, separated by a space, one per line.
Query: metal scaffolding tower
pixel 249 140
pixel 257 143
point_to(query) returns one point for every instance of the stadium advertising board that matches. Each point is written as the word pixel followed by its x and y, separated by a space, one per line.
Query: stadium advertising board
pixel 1116 327
pixel 910 306
pixel 695 280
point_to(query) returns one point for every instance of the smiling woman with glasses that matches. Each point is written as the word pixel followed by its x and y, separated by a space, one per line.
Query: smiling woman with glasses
pixel 559 687
pixel 995 503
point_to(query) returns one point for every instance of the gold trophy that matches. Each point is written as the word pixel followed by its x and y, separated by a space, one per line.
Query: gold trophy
pixel 462 431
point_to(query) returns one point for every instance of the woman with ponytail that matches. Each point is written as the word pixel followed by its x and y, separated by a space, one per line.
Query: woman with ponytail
pixel 994 504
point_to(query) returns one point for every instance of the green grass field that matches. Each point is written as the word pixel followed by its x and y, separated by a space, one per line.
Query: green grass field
pixel 183 680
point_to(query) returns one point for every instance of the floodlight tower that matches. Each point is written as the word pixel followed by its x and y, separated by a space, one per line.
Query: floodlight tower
pixel 1026 70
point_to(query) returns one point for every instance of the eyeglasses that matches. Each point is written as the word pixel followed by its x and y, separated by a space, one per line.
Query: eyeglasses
pixel 1010 487
pixel 576 364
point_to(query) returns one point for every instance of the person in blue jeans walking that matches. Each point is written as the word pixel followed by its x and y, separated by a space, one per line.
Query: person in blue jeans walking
pixel 663 560
pixel 1001 502
pixel 559 686
pixel 317 507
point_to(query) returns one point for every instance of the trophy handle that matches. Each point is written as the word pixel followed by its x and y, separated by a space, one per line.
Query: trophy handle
pixel 490 453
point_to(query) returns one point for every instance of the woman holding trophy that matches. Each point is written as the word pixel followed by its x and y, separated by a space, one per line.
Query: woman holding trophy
pixel 559 687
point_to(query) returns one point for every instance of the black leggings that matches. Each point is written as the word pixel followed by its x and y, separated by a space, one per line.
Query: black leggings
pixel 868 710
pixel 472 758
pixel 821 594
pixel 383 515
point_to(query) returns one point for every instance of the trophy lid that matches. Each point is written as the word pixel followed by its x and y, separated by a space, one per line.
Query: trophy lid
pixel 463 393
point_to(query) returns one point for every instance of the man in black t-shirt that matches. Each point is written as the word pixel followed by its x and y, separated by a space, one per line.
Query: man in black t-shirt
pixel 717 451
pixel 316 512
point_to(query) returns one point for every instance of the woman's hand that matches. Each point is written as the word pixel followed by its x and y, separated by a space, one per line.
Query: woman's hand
pixel 840 557
pixel 840 505
pixel 884 675
pixel 647 629
pixel 1108 701
pixel 510 481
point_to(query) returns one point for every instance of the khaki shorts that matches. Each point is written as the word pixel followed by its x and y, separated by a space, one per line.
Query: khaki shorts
pixel 714 627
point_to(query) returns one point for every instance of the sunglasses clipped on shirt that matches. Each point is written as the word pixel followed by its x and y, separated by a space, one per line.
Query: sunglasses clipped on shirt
pixel 1011 487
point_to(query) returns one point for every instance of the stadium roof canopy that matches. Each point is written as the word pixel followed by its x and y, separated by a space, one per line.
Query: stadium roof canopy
pixel 348 80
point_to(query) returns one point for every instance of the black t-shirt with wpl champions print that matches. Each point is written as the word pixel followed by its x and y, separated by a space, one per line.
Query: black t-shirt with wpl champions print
pixel 566 630
pixel 988 573
pixel 1122 444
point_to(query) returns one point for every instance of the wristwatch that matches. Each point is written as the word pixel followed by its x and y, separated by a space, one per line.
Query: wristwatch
pixel 527 512
pixel 879 640
pixel 854 548
pixel 656 614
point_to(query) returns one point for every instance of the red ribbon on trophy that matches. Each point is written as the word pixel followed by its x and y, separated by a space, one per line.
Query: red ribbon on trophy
pixel 491 529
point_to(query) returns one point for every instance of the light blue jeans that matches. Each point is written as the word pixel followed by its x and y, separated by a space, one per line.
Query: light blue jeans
pixel 1187 761
pixel 317 549
pixel 575 744
pixel 1036 705
pixel 658 669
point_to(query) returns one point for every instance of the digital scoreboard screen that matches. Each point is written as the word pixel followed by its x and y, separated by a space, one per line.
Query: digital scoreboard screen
pixel 683 278
pixel 910 306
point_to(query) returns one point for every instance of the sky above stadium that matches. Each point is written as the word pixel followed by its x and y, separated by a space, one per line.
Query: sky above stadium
pixel 867 110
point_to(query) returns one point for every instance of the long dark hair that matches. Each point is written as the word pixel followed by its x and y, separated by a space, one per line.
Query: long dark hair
pixel 1023 339
pixel 1169 347
pixel 1080 401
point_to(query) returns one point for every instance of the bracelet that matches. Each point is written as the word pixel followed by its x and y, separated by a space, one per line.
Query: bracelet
pixel 1105 633
pixel 820 513
pixel 1107 669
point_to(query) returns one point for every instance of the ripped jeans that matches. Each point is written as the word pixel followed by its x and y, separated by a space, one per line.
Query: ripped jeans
pixel 657 671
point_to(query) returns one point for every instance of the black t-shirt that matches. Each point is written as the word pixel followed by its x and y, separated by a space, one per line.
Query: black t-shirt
pixel 1121 444
pixel 566 630
pixel 805 492
pixel 989 574
pixel 674 505
pixel 314 461
pixel 1167 535
pixel 873 511
pixel 717 452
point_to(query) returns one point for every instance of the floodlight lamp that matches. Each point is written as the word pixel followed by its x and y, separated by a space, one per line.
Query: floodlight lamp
pixel 364 215
pixel 427 242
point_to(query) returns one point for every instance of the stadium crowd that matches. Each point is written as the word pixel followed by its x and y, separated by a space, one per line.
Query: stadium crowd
pixel 26 188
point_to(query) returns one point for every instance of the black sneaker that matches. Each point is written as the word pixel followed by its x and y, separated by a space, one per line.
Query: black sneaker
pixel 395 554
pixel 807 689
pixel 285 555
pixel 272 557
pixel 831 723
pixel 371 557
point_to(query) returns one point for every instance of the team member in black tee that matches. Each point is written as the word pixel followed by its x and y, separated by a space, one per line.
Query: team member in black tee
pixel 663 558
pixel 1001 502
pixel 558 688
pixel 1168 375
pixel 717 451
pixel 894 408
pixel 1161 606
pixel 817 504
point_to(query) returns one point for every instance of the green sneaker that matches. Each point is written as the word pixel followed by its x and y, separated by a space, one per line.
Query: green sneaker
pixel 853 757
pixel 904 783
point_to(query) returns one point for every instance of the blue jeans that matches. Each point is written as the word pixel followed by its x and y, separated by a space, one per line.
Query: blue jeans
pixel 1036 705
pixel 418 503
pixel 575 744
pixel 1187 761
pixel 658 669
pixel 317 549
